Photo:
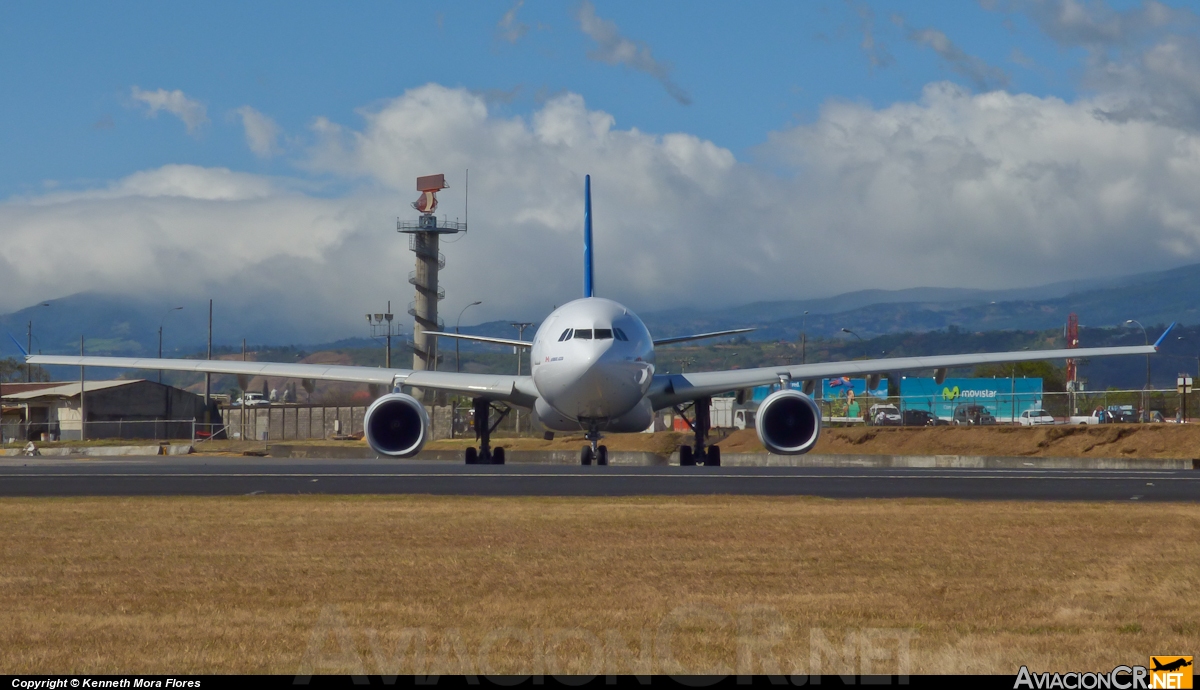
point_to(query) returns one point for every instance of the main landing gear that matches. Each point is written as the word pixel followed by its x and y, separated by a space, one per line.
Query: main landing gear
pixel 484 455
pixel 593 452
pixel 690 456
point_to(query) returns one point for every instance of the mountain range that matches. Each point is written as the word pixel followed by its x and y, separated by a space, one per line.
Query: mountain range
pixel 124 325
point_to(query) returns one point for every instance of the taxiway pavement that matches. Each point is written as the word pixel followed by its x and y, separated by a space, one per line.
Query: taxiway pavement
pixel 201 476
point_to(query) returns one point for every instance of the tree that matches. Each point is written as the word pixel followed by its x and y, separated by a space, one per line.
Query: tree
pixel 12 370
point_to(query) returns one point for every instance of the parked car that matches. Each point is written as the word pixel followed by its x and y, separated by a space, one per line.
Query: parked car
pixel 251 399
pixel 1035 418
pixel 885 415
pixel 1124 414
pixel 922 418
pixel 969 414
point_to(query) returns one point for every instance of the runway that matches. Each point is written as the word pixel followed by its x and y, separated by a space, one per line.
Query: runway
pixel 159 476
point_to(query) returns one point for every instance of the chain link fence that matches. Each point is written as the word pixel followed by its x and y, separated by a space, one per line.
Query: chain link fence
pixel 1119 406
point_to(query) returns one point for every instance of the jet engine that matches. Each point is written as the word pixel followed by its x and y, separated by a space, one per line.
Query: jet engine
pixel 396 425
pixel 788 422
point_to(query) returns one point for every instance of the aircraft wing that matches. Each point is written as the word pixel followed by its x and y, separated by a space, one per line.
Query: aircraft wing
pixel 699 336
pixel 674 389
pixel 515 389
pixel 483 339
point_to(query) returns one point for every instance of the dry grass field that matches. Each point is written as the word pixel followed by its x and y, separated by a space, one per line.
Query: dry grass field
pixel 421 584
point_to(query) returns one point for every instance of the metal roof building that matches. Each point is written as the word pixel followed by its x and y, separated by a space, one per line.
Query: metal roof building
pixel 115 409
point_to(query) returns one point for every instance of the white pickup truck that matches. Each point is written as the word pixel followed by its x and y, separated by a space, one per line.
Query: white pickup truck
pixel 1096 417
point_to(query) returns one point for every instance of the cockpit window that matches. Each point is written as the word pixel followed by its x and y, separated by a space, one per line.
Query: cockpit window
pixel 620 334
pixel 583 333
pixel 566 335
pixel 604 334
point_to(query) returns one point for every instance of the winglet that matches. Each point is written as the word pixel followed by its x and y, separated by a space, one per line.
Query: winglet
pixel 588 285
pixel 23 352
pixel 1163 336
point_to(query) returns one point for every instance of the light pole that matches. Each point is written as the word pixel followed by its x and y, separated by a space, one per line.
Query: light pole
pixel 1145 389
pixel 804 339
pixel 162 321
pixel 456 323
pixel 847 330
pixel 382 328
pixel 520 326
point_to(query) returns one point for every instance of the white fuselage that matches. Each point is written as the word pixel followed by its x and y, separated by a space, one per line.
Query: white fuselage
pixel 593 361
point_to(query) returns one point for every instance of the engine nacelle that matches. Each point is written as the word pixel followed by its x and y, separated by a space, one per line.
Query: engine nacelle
pixel 396 425
pixel 788 422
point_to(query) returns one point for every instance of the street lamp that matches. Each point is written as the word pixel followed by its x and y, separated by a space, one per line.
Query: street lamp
pixel 456 323
pixel 1146 388
pixel 847 330
pixel 160 330
pixel 520 326
pixel 804 339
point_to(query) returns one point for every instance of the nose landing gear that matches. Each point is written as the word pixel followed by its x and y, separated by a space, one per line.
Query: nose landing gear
pixel 699 454
pixel 484 427
pixel 593 452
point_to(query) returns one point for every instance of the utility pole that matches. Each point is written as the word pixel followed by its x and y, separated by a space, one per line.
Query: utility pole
pixel 160 330
pixel 1146 388
pixel 242 407
pixel 29 346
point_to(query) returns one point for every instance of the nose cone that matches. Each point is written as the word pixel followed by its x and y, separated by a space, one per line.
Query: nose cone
pixel 596 382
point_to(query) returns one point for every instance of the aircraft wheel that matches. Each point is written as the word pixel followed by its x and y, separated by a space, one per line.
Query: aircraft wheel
pixel 585 456
pixel 498 456
pixel 686 459
pixel 472 456
pixel 714 457
pixel 602 455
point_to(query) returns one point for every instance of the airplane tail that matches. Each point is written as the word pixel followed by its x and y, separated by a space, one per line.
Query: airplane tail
pixel 588 285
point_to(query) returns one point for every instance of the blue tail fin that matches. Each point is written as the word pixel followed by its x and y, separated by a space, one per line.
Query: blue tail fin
pixel 1163 337
pixel 588 285
pixel 23 352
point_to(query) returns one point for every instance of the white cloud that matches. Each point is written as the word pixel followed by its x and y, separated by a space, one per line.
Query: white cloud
pixel 262 134
pixel 191 112
pixel 615 49
pixel 988 190
pixel 508 28
pixel 982 76
pixel 876 52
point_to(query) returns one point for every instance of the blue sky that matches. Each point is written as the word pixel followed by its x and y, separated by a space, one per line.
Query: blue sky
pixel 187 147
pixel 67 75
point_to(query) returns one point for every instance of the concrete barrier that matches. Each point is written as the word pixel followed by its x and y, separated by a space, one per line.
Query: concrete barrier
pixel 571 457
pixel 989 462
pixel 174 449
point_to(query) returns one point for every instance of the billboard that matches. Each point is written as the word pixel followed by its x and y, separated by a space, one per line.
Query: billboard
pixel 832 389
pixel 1005 399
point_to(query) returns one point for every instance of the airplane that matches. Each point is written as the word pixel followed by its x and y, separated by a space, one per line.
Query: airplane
pixel 594 371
